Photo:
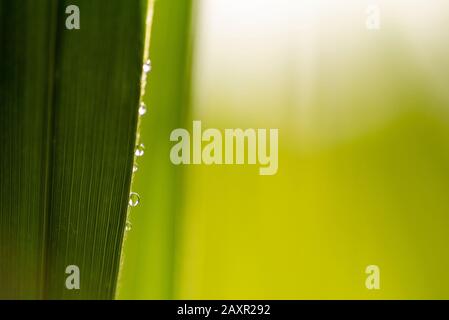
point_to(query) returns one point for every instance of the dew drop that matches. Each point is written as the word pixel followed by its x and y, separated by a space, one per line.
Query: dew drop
pixel 128 226
pixel 140 150
pixel 134 199
pixel 135 168
pixel 147 66
pixel 142 109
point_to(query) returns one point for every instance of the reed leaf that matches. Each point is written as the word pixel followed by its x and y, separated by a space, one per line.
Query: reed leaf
pixel 68 119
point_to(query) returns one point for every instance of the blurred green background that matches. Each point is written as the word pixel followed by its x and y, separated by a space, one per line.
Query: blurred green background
pixel 363 160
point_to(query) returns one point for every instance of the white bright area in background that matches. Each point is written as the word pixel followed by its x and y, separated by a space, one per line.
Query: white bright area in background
pixel 297 63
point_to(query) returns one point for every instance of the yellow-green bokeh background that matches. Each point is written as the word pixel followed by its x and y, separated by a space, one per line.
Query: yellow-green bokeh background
pixel 363 176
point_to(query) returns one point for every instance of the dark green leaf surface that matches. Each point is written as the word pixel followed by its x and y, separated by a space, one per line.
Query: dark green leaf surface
pixel 68 116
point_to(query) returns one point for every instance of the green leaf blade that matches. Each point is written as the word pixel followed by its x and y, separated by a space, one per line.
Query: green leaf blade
pixel 69 101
